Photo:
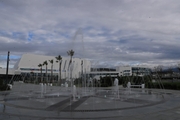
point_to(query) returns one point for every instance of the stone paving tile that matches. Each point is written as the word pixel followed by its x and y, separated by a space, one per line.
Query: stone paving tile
pixel 157 116
pixel 68 119
pixel 8 117
pixel 29 118
pixel 4 117
pixel 16 118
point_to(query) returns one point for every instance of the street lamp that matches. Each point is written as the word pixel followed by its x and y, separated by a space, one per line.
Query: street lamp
pixel 7 68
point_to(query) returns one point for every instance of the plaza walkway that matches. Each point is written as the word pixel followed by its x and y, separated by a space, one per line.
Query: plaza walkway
pixel 27 102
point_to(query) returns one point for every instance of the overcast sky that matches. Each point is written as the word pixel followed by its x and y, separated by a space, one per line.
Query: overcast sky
pixel 108 32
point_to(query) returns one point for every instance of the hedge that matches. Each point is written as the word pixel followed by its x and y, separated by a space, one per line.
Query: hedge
pixel 165 85
pixel 3 87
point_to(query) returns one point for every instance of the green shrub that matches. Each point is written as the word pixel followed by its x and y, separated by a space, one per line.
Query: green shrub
pixel 3 86
pixel 1 82
pixel 104 85
pixel 167 85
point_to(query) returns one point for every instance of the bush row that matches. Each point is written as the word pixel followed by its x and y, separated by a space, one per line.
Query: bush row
pixel 165 85
pixel 3 86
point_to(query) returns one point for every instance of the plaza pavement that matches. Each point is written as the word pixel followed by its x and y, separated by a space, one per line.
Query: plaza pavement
pixel 26 102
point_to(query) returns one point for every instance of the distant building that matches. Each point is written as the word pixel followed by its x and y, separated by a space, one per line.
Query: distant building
pixel 135 71
pixel 27 66
pixel 120 71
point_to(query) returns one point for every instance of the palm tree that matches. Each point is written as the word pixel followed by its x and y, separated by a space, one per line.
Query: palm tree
pixel 70 53
pixel 51 61
pixel 59 59
pixel 45 63
pixel 40 65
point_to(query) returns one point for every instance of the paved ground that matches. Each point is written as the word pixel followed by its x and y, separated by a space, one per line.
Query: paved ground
pixel 29 102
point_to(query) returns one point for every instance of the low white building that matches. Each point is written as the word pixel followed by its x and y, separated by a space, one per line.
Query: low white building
pixel 124 70
pixel 135 70
pixel 29 64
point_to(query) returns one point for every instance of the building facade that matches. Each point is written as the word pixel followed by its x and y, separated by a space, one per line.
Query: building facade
pixel 29 64
pixel 135 71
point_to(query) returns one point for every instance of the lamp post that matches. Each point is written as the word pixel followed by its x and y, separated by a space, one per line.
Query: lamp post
pixel 7 68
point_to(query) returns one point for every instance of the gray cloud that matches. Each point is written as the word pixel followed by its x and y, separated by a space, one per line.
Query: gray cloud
pixel 116 32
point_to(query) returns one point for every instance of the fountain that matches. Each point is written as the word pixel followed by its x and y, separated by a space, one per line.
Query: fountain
pixel 42 89
pixel 74 93
pixel 83 102
pixel 59 103
pixel 116 85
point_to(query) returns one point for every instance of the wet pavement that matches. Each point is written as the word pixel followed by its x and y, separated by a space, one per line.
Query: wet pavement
pixel 31 102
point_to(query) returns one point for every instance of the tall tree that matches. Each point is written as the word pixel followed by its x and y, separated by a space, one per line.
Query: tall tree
pixel 46 63
pixel 51 61
pixel 70 53
pixel 40 65
pixel 59 60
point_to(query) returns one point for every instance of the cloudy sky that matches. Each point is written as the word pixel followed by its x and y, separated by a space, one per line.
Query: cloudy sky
pixel 108 32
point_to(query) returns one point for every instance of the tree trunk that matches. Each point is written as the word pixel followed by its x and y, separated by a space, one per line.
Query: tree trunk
pixel 46 73
pixel 71 71
pixel 60 72
pixel 51 72
pixel 41 74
